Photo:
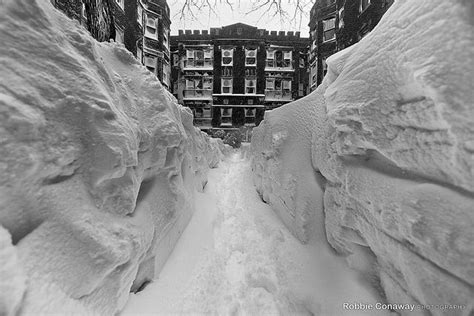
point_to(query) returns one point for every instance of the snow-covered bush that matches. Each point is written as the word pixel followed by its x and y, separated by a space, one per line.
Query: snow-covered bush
pixel 99 166
pixel 385 148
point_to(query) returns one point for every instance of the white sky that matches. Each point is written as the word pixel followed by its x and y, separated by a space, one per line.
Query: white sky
pixel 205 19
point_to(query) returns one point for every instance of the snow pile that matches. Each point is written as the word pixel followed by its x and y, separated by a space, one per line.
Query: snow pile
pixel 236 258
pixel 99 167
pixel 392 135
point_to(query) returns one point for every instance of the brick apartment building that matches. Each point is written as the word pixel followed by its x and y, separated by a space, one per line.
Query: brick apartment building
pixel 229 76
pixel 337 24
pixel 143 26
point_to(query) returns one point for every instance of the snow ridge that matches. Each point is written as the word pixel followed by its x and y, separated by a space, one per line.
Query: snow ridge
pixel 99 166
pixel 390 132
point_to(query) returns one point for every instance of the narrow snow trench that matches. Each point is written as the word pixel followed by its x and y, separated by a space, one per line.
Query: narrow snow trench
pixel 236 257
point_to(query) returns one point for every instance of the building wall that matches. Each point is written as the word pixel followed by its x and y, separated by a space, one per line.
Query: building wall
pixel 96 15
pixel 353 19
pixel 243 106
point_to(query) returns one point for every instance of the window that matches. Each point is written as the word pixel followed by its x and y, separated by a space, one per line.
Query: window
pixel 270 84
pixel 287 58
pixel 207 83
pixel 199 58
pixel 279 58
pixel 226 112
pixel 329 31
pixel 226 101
pixel 341 18
pixel 226 86
pixel 150 61
pixel 227 57
pixel 364 4
pixel 278 84
pixel 226 72
pixel 249 112
pixel 206 112
pixel 189 84
pixel 239 31
pixel 198 112
pixel 270 58
pixel 250 101
pixel 250 57
pixel 250 72
pixel 150 30
pixel 250 86
pixel 208 53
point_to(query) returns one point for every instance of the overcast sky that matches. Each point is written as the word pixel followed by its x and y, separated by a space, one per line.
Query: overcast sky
pixel 204 19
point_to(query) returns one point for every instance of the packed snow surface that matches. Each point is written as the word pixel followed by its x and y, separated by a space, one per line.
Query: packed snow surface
pixel 236 257
pixel 379 160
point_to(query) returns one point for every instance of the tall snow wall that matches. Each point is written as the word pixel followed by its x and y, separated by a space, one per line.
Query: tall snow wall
pixel 98 164
pixel 379 160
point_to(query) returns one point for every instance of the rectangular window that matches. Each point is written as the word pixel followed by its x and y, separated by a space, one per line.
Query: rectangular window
pixel 226 112
pixel 227 57
pixel 270 54
pixel 226 72
pixel 226 86
pixel 207 83
pixel 198 113
pixel 189 54
pixel 286 84
pixel 250 86
pixel 250 57
pixel 150 29
pixel 287 55
pixel 208 53
pixel 150 61
pixel 189 84
pixel 270 84
pixel 329 29
pixel 206 112
pixel 250 112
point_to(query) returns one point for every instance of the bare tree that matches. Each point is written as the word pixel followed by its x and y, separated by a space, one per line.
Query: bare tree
pixel 285 10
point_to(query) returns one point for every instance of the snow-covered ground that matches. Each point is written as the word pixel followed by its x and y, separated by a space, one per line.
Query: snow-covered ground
pixel 237 257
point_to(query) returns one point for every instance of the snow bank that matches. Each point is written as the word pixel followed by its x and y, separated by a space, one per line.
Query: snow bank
pixel 391 134
pixel 99 166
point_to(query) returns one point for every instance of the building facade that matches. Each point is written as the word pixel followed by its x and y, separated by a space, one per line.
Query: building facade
pixel 144 28
pixel 229 76
pixel 95 15
pixel 337 24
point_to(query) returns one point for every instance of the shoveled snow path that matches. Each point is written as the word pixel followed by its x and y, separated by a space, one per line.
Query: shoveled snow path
pixel 236 256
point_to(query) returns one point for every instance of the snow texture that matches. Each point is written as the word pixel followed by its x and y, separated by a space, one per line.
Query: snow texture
pixel 99 166
pixel 237 258
pixel 391 132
